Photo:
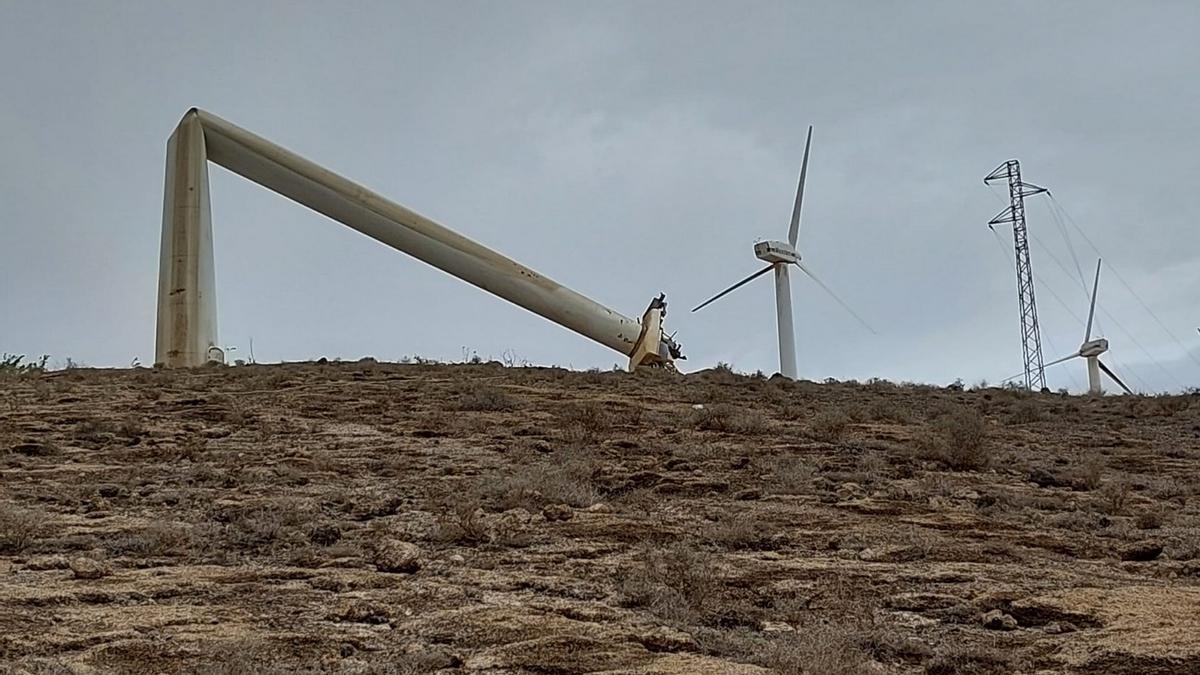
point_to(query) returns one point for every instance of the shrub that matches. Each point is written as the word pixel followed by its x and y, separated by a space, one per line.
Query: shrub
pixel 15 364
pixel 18 528
pixel 743 531
pixel 485 398
pixel 585 420
pixel 791 475
pixel 678 583
pixel 972 661
pixel 569 477
pixel 828 649
pixel 1152 519
pixel 1090 473
pixel 1026 411
pixel 829 425
pixel 883 409
pixel 1114 497
pixel 266 526
pixel 730 419
pixel 157 539
pixel 957 439
pixel 463 523
pixel 1167 405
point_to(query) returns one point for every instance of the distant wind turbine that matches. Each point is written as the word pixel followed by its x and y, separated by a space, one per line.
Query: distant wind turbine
pixel 779 256
pixel 1092 349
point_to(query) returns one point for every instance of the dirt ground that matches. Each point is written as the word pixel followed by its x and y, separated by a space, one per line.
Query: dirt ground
pixel 385 518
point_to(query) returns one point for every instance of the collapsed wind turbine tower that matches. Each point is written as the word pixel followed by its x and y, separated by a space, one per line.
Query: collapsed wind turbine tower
pixel 187 306
pixel 1031 335
pixel 779 255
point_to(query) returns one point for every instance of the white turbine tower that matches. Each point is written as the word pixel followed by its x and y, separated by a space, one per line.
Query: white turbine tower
pixel 1092 349
pixel 779 255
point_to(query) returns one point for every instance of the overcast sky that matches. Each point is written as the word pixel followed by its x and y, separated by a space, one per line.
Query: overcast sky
pixel 622 149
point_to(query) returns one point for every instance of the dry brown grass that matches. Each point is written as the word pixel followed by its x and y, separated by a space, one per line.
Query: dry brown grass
pixel 1027 411
pixel 679 583
pixel 461 523
pixel 1113 497
pixel 829 425
pixel 957 439
pixel 730 419
pixel 481 397
pixel 157 539
pixel 974 661
pixel 585 421
pixel 790 475
pixel 598 523
pixel 19 527
pixel 745 531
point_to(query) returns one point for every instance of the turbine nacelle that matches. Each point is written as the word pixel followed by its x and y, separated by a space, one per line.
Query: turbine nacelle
pixel 776 252
pixel 1094 347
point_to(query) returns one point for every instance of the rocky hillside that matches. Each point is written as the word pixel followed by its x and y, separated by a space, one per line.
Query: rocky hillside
pixel 377 518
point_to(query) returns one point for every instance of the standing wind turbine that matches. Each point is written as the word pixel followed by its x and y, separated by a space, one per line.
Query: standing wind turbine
pixel 1092 349
pixel 779 255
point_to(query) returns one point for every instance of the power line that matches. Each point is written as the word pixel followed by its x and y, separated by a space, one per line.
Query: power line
pixel 1062 229
pixel 1008 261
pixel 1125 283
pixel 1050 289
pixel 1105 312
pixel 1058 219
pixel 1109 316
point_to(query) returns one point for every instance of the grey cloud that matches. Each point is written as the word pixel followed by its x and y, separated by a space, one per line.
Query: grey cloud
pixel 623 149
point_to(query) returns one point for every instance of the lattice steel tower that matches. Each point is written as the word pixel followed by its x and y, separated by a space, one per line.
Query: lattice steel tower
pixel 1031 335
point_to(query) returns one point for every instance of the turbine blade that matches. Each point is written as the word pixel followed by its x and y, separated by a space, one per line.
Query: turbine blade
pixel 794 229
pixel 1092 311
pixel 734 287
pixel 1110 373
pixel 1010 378
pixel 835 297
pixel 1058 361
pixel 1044 366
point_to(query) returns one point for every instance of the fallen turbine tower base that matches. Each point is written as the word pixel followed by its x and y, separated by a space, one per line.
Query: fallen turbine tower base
pixel 187 311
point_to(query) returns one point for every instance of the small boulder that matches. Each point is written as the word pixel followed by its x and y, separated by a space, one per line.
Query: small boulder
pixel 110 490
pixel 849 491
pixel 966 495
pixel 997 620
pixel 86 568
pixel 557 512
pixel 360 611
pixel 666 639
pixel 1141 551
pixel 1059 627
pixel 393 555
pixel 324 534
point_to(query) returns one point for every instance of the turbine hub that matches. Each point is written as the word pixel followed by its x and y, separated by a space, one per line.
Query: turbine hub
pixel 776 252
pixel 1094 347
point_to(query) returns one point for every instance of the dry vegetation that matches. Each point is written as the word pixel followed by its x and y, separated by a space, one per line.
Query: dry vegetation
pixel 376 518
